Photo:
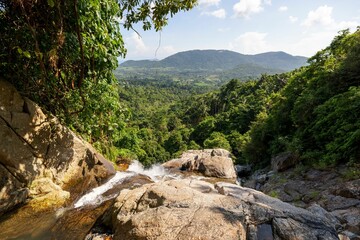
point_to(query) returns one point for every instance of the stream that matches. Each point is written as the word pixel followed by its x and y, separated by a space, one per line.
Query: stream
pixel 75 220
pixel 96 197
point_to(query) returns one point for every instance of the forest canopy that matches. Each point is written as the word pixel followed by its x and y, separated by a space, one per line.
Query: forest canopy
pixel 312 112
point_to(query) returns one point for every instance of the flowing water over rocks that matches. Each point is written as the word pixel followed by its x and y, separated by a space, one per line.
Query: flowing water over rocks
pixel 75 220
pixel 160 203
pixel 169 203
pixel 153 204
pixel 100 194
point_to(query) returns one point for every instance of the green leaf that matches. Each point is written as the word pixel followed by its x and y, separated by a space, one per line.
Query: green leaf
pixel 51 3
pixel 27 54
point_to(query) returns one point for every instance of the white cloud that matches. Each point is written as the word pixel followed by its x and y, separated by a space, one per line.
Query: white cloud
pixel 244 8
pixel 320 16
pixel 346 24
pixel 323 16
pixel 138 49
pixel 283 8
pixel 293 19
pixel 136 42
pixel 208 3
pixel 309 44
pixel 220 13
pixel 250 43
pixel 267 2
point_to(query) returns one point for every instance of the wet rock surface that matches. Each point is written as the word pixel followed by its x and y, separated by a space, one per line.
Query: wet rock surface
pixel 32 222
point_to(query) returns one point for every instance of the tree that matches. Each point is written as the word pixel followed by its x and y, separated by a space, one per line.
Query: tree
pixel 217 140
pixel 203 130
pixel 54 50
pixel 61 54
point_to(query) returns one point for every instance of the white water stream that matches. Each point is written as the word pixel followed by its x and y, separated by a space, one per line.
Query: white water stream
pixel 94 197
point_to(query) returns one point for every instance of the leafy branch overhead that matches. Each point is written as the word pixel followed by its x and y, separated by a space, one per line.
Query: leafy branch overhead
pixel 151 12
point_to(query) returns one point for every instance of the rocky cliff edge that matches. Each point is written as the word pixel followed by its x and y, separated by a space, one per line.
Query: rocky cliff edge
pixel 40 159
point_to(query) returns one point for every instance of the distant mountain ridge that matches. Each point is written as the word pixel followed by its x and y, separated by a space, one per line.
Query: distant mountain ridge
pixel 222 60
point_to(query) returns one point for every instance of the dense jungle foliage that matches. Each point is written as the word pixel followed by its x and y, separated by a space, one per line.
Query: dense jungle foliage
pixel 313 111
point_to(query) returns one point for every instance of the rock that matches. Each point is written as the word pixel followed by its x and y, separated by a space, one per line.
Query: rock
pixel 174 163
pixel 333 203
pixel 250 184
pixel 219 152
pixel 98 236
pixel 39 157
pixel 283 196
pixel 283 161
pixel 128 183
pixel 46 193
pixel 322 213
pixel 76 224
pixel 10 100
pixel 349 218
pixel 243 170
pixel 193 209
pixel 210 162
pixel 13 191
pixel 346 235
pixel 312 174
pixel 258 179
pixel 304 187
pixel 37 221
pixel 291 229
pixel 349 189
pixel 294 189
pixel 217 166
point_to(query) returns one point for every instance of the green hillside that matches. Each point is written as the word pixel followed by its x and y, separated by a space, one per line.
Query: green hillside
pixel 312 111
pixel 209 68
pixel 221 60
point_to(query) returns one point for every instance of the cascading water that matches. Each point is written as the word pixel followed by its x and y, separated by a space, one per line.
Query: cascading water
pixel 95 197
pixel 155 172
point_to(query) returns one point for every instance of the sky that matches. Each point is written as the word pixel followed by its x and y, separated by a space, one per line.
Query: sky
pixel 298 27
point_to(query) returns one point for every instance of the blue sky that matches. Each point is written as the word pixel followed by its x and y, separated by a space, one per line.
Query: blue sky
pixel 298 27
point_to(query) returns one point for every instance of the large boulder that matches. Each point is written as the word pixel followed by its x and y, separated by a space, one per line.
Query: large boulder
pixel 210 162
pixel 40 158
pixel 283 161
pixel 193 209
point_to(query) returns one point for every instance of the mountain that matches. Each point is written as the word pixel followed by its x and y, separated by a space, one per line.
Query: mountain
pixel 279 60
pixel 221 60
pixel 206 69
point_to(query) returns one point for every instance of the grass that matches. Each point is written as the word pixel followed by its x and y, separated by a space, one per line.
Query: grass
pixel 273 194
pixel 314 194
pixel 352 173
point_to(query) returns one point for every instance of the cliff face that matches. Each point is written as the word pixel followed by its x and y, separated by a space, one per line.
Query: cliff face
pixel 39 158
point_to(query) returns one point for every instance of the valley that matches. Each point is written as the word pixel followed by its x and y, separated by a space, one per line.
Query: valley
pixel 202 144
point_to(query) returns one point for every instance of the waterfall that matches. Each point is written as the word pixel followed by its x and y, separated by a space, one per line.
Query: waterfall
pixel 95 197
